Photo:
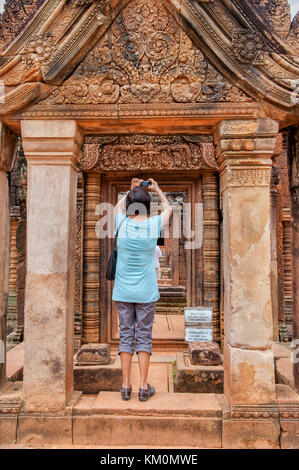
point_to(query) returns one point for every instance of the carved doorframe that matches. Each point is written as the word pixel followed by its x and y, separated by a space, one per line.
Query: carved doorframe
pixel 200 163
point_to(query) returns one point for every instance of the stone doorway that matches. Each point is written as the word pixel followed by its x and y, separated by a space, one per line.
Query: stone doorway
pixel 186 169
pixel 176 264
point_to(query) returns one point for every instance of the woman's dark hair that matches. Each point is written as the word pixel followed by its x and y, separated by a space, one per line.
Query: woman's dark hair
pixel 137 198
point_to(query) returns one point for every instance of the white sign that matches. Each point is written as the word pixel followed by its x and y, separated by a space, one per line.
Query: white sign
pixel 198 315
pixel 198 334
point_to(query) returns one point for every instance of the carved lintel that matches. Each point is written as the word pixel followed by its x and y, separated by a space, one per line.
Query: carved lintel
pixel 147 153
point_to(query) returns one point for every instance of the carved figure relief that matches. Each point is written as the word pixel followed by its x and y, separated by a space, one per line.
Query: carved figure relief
pixel 147 152
pixel 145 57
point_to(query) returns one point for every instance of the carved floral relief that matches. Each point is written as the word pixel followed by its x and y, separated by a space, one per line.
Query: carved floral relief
pixel 147 153
pixel 145 57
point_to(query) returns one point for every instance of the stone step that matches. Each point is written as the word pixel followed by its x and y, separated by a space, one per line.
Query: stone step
pixel 166 419
pixel 14 362
pixel 172 374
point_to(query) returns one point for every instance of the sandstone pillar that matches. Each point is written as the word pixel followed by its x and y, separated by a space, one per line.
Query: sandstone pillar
pixel 7 152
pixel 52 149
pixel 245 149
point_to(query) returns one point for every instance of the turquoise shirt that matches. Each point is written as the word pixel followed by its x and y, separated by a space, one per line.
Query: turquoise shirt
pixel 136 277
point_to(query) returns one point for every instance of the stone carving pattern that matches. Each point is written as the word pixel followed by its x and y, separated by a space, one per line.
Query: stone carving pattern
pixel 145 58
pixel 246 177
pixel 146 152
pixel 17 13
pixel 249 47
pixel 78 317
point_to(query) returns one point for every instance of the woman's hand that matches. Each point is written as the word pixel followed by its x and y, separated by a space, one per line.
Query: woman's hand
pixel 135 182
pixel 153 186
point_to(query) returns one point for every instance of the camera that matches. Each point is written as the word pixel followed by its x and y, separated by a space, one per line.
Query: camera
pixel 145 184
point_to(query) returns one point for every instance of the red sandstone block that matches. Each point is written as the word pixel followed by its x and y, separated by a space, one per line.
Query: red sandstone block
pixel 45 429
pixel 8 429
pixel 250 434
pixel 204 354
pixel 94 354
pixel 184 431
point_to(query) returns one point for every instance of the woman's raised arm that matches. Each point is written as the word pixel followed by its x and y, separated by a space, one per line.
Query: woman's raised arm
pixel 167 209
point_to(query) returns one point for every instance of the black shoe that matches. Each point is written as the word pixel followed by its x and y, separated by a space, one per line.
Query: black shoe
pixel 126 393
pixel 144 395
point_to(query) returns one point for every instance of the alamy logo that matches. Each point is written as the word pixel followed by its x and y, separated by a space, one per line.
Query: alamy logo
pixel 187 221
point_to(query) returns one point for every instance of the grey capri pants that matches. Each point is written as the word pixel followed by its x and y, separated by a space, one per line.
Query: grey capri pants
pixel 141 316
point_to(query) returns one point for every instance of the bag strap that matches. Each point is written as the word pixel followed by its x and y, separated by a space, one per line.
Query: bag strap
pixel 118 228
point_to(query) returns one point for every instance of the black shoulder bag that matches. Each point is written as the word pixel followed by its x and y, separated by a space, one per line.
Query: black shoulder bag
pixel 111 266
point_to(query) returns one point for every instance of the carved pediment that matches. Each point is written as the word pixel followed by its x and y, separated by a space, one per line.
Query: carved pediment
pixel 16 15
pixel 109 53
pixel 145 57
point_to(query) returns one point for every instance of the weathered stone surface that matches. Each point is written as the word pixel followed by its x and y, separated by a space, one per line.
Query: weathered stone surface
pixel 147 430
pixel 205 354
pixel 8 429
pixel 50 148
pixel 249 376
pixel 248 301
pixel 289 438
pixel 279 351
pixel 93 379
pixel 198 379
pixel 161 404
pixel 250 434
pixel 45 429
pixel 284 371
pixel 94 354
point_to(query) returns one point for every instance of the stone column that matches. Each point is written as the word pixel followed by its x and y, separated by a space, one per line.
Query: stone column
pixel 7 153
pixel 52 149
pixel 211 247
pixel 245 149
pixel 91 265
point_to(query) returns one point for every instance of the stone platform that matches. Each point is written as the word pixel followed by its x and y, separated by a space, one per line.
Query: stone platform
pixel 171 418
pixel 167 420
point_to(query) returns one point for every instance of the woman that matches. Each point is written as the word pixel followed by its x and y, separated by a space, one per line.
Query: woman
pixel 135 287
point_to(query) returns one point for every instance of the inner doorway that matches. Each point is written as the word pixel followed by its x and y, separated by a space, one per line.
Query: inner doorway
pixel 181 269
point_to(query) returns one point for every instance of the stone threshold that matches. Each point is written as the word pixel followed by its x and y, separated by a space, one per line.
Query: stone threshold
pixel 167 404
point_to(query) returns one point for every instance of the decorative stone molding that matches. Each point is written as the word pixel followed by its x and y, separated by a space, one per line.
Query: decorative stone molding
pixel 52 142
pixel 254 412
pixel 211 111
pixel 246 143
pixel 146 152
pixel 246 177
pixel 249 47
pixel 16 15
